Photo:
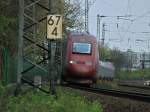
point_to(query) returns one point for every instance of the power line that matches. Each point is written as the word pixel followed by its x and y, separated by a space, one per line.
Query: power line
pixel 120 16
pixel 110 5
pixel 141 16
pixel 144 32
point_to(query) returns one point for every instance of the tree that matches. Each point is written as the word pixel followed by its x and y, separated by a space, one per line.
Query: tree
pixel 104 52
pixel 8 24
pixel 119 59
pixel 73 15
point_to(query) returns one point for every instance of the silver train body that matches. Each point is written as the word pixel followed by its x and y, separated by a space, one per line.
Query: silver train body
pixel 106 70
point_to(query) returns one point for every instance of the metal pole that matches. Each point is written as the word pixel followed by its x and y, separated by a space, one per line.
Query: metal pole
pixel 20 46
pixel 86 15
pixel 52 68
pixel 98 31
pixel 52 48
pixel 103 34
pixel 98 27
pixel 149 52
pixel 143 61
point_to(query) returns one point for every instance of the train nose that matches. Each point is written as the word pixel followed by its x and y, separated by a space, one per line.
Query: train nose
pixel 88 63
pixel 81 69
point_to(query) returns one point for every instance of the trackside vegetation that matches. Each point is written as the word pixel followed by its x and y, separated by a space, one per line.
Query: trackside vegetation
pixel 132 75
pixel 40 102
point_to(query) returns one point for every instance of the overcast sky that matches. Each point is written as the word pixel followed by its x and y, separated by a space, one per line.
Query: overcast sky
pixel 129 29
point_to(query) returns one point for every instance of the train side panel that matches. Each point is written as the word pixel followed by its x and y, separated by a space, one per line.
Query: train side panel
pixel 105 70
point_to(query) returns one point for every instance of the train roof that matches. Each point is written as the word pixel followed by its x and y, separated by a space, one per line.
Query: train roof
pixel 82 35
pixel 79 34
pixel 74 34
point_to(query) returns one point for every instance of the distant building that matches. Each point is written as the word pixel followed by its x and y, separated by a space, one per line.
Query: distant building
pixel 145 60
pixel 138 60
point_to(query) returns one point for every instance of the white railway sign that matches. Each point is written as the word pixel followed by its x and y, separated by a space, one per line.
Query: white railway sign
pixel 54 26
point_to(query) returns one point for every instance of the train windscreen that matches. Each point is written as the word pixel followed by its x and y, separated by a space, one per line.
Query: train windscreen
pixel 82 48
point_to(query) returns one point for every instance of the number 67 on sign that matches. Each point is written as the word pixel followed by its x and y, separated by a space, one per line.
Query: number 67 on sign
pixel 54 26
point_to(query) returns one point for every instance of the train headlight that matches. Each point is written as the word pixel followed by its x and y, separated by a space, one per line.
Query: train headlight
pixel 88 63
pixel 72 62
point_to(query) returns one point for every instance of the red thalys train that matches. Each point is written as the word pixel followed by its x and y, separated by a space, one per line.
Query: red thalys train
pixel 82 60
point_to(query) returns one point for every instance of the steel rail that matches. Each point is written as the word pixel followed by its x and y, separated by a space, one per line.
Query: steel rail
pixel 134 86
pixel 115 93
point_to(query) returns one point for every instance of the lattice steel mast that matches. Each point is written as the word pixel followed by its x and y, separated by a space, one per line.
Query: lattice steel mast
pixel 32 35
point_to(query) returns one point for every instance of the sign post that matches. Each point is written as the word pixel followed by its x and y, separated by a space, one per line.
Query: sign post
pixel 54 32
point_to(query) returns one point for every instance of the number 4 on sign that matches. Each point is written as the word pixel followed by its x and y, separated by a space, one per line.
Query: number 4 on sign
pixel 54 32
pixel 54 26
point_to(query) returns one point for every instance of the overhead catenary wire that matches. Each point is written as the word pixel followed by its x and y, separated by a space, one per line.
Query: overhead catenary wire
pixel 142 15
pixel 133 32
pixel 136 24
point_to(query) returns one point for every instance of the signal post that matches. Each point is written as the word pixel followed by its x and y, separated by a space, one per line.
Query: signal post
pixel 54 36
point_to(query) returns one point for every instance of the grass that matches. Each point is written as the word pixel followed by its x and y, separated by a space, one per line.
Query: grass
pixel 40 102
pixel 133 75
pixel 108 84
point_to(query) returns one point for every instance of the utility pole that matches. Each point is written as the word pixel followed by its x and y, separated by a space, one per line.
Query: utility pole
pixel 149 52
pixel 20 46
pixel 103 34
pixel 98 27
pixel 52 49
pixel 98 31
pixel 54 44
pixel 143 61
pixel 86 15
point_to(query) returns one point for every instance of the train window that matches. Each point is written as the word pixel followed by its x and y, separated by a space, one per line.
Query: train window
pixel 82 48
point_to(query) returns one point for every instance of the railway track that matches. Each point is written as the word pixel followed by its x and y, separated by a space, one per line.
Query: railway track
pixel 111 92
pixel 134 86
